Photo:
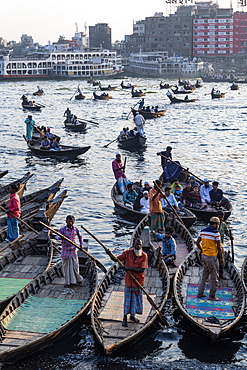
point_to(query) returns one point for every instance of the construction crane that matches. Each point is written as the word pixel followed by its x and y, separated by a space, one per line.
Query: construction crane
pixel 85 27
pixel 76 27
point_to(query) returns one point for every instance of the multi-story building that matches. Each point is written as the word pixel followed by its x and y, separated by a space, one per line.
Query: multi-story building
pixel 240 33
pixel 212 30
pixel 100 36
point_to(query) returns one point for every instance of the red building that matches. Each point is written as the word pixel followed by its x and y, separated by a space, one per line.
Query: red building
pixel 213 36
pixel 240 33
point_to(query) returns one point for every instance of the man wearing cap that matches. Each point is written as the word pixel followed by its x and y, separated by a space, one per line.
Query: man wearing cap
pixel 209 243
pixel 204 191
pixel 144 203
pixel 146 187
pixel 139 121
pixel 118 170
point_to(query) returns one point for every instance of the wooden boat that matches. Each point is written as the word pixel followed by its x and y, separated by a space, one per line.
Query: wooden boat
pixel 108 88
pixel 198 84
pixel 31 254
pixel 102 96
pixel 81 126
pixel 136 216
pixel 26 104
pixel 80 97
pixel 133 143
pixel 206 213
pixel 137 94
pixel 234 87
pixel 107 306
pixel 38 93
pixel 189 87
pixel 181 91
pixel 215 79
pixel 30 204
pixel 244 274
pixel 3 173
pixel 21 183
pixel 129 86
pixel 211 318
pixel 165 86
pixel 217 95
pixel 66 151
pixel 173 99
pixel 182 83
pixel 149 115
pixel 53 309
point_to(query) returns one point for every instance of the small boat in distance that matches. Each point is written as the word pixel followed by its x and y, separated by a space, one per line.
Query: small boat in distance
pixel 80 126
pixel 149 115
pixel 30 105
pixel 173 99
pixel 103 96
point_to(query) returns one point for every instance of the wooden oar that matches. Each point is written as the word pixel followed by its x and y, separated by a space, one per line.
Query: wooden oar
pixel 83 119
pixel 232 246
pixel 36 127
pixel 74 93
pixel 39 105
pixel 132 108
pixel 19 219
pixel 11 243
pixel 98 263
pixel 169 204
pixel 179 165
pixel 115 259
pixel 105 146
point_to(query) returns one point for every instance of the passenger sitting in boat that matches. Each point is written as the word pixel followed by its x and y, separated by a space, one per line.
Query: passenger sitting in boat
pixel 135 130
pixel 186 97
pixel 144 202
pixel 141 104
pixel 45 143
pixel 169 246
pixel 74 120
pixel 216 196
pixel 193 199
pixel 148 109
pixel 204 191
pixel 186 191
pixel 123 134
pixel 131 133
pixel 54 144
pixel 39 90
pixel 169 93
pixel 156 109
pixel 104 94
pixel 175 183
pixel 49 135
pixel 193 182
pixel 68 115
pixel 178 193
pixel 109 86
pixel 129 196
pixel 146 187
pixel 171 199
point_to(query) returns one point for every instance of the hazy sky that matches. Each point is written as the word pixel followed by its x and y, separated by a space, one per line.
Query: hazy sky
pixel 48 19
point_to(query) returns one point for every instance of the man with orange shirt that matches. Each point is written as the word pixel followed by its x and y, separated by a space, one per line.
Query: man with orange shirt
pixel 14 209
pixel 156 211
pixel 136 261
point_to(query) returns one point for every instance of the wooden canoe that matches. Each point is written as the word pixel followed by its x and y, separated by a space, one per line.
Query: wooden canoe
pixel 81 126
pixel 137 94
pixel 181 92
pixel 136 216
pixel 133 143
pixel 173 99
pixel 206 213
pixel 234 87
pixel 127 86
pixel 54 310
pixel 107 306
pixel 228 311
pixel 217 95
pixel 149 115
pixel 80 97
pixel 38 93
pixel 66 151
pixel 19 265
pixel 165 86
pixel 108 88
pixel 101 97
pixel 21 183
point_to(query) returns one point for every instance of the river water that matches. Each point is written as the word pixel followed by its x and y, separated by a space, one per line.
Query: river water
pixel 208 136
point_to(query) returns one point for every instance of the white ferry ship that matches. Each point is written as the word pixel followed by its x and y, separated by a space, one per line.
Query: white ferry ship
pixel 103 63
pixel 158 64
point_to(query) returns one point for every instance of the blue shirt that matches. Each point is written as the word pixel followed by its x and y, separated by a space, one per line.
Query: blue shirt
pixel 129 196
pixel 168 246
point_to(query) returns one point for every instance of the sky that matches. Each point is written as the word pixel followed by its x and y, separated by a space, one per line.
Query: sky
pixel 46 20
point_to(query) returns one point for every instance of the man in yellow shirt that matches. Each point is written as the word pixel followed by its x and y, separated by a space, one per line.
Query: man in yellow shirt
pixel 209 243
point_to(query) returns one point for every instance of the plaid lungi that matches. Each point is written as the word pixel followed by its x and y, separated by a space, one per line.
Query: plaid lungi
pixel 133 301
pixel 157 221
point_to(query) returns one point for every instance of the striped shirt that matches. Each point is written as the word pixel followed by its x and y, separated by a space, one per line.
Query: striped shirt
pixel 67 248
pixel 209 237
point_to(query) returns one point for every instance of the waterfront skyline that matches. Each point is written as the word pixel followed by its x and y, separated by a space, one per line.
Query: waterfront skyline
pixel 47 20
